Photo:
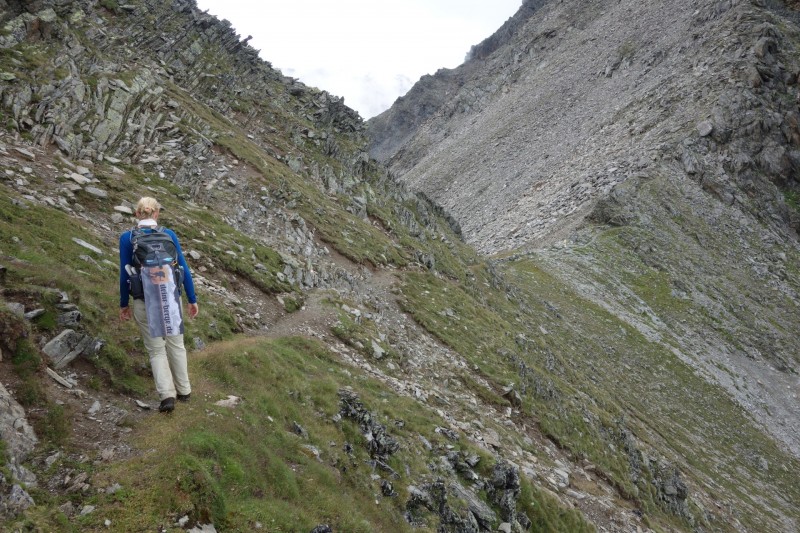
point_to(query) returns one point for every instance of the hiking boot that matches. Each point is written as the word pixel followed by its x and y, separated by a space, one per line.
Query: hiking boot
pixel 167 405
pixel 184 397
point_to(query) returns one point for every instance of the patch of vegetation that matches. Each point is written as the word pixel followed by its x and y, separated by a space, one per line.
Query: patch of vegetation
pixel 26 359
pixel 235 467
pixel 111 5
pixel 362 334
pixel 53 426
pixel 548 515
pixel 792 199
pixel 292 302
pixel 565 354
pixel 232 472
pixel 24 58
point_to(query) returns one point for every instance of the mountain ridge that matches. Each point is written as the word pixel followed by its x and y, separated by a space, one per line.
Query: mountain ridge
pixel 352 351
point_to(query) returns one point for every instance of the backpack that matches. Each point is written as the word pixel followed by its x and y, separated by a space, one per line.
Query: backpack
pixel 152 249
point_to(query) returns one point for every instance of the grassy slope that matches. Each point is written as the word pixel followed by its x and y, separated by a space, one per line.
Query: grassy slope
pixel 237 467
pixel 591 378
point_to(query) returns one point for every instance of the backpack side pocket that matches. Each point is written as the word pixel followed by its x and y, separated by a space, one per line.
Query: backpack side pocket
pixel 135 286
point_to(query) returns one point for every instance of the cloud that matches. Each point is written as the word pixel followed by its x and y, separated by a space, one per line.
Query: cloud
pixel 368 52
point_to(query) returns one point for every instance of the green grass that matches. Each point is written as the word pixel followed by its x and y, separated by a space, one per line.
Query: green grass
pixel 549 516
pixel 242 466
pixel 571 371
pixel 111 5
pixel 247 466
pixel 792 199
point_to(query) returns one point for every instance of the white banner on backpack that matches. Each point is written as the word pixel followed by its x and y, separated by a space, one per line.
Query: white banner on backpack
pixel 162 299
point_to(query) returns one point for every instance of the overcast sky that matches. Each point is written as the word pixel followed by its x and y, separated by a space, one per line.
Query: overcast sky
pixel 368 51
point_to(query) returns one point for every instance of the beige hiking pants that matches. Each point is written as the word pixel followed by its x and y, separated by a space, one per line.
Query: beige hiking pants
pixel 167 357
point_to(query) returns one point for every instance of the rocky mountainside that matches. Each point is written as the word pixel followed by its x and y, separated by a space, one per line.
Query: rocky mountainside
pixel 655 172
pixel 356 365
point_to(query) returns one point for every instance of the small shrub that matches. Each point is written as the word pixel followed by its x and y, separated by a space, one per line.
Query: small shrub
pixel 205 492
pixel 94 383
pixel 792 199
pixel 47 321
pixel 111 5
pixel 26 359
pixel 54 426
pixel 30 392
pixel 292 303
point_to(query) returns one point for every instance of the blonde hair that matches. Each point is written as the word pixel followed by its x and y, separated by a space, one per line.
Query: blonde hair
pixel 146 207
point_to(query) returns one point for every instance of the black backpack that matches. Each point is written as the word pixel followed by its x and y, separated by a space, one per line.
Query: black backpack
pixel 152 249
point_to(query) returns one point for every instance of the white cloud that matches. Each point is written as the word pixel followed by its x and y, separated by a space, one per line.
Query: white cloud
pixel 370 52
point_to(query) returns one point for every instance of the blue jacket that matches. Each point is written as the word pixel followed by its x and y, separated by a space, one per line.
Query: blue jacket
pixel 126 258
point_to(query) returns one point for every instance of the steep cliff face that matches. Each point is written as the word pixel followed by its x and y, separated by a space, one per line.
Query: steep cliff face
pixel 352 352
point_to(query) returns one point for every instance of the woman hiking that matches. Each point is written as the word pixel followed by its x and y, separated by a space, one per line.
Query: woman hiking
pixel 152 270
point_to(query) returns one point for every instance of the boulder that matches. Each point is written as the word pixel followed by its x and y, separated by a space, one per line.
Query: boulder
pixel 15 431
pixel 480 510
pixel 18 501
pixel 66 346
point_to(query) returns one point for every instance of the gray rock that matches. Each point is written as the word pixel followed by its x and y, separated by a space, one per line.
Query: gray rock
pixel 705 128
pixel 87 509
pixel 379 443
pixel 504 489
pixel 203 528
pixel 22 474
pixel 14 428
pixel 479 509
pixel 27 154
pixel 70 319
pixel 377 351
pixel 94 191
pixel 67 508
pixel 66 346
pixel 51 459
pixel 19 500
pixel 88 246
pixel 419 498
pixel 36 313
pixel 198 344
pixel 79 179
pixel 16 308
pixel 512 396
pixel 299 430
pixel 95 408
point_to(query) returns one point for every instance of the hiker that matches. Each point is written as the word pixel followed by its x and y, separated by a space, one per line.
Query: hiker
pixel 152 270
